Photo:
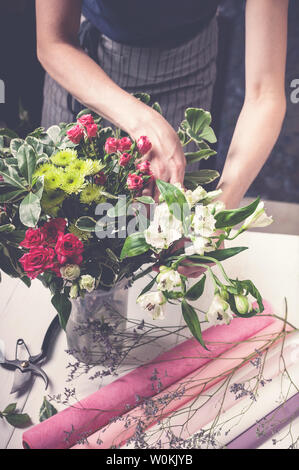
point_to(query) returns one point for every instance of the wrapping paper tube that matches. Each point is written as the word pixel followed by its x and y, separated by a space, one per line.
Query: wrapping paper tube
pixel 272 423
pixel 207 409
pixel 97 410
pixel 182 392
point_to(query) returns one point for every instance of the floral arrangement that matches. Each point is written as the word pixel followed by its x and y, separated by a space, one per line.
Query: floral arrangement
pixel 73 216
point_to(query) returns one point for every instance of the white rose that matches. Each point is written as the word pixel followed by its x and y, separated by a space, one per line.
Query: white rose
pixel 153 302
pixel 164 229
pixel 258 219
pixel 70 272
pixel 203 221
pixel 87 282
pixel 168 279
pixel 219 312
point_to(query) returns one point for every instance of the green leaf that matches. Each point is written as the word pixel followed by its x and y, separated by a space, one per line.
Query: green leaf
pixel 18 420
pixel 39 187
pixel 55 134
pixel 8 133
pixel 86 224
pixel 219 255
pixel 192 321
pixel 10 196
pixel 35 144
pixel 10 408
pixel 251 289
pixel 148 286
pixel 209 135
pixel 204 154
pixel 176 201
pixel 46 411
pixel 30 210
pixel 229 218
pixel 200 177
pixel 63 305
pixel 197 290
pixel 27 161
pixel 11 177
pixel 145 200
pixel 15 144
pixel 157 108
pixel 7 228
pixel 144 97
pixel 197 119
pixel 134 245
pixel 120 208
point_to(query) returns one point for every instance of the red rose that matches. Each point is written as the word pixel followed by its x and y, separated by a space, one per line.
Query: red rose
pixel 100 178
pixel 92 130
pixel 69 248
pixel 143 145
pixel 134 182
pixel 124 144
pixel 34 237
pixel 111 145
pixel 52 229
pixel 76 134
pixel 124 159
pixel 86 120
pixel 144 167
pixel 37 261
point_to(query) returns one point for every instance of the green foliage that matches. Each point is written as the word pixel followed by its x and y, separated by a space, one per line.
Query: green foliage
pixel 14 418
pixel 46 411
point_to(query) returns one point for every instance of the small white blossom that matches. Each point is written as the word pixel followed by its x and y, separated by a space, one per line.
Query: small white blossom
pixel 258 219
pixel 198 247
pixel 203 221
pixel 164 230
pixel 153 302
pixel 168 279
pixel 219 312
pixel 87 282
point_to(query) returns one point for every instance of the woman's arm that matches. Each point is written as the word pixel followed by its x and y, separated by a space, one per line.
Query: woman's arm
pixel 58 22
pixel 262 115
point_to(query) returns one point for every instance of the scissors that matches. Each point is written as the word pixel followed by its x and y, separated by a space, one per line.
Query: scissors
pixel 24 368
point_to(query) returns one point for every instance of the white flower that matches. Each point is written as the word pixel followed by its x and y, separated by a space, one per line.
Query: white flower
pixel 198 247
pixel 243 304
pixel 70 272
pixel 219 312
pixel 153 302
pixel 87 282
pixel 168 279
pixel 203 221
pixel 193 197
pixel 164 229
pixel 258 219
pixel 74 291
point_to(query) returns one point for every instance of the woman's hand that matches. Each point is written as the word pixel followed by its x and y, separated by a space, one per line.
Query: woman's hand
pixel 167 158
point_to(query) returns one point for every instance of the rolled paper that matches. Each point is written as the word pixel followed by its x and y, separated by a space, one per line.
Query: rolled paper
pixel 205 410
pixel 271 424
pixel 97 410
pixel 183 391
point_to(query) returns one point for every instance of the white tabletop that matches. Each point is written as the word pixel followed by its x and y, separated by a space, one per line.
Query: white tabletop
pixel 272 262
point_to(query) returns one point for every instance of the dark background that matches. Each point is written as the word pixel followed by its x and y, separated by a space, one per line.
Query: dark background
pixel 23 77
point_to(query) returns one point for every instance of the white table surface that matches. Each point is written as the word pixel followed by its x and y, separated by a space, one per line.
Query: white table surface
pixel 272 262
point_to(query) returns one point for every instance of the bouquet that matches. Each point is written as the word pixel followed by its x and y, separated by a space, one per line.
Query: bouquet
pixel 73 216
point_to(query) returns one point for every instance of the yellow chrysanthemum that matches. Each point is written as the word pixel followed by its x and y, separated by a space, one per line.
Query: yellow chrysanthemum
pixel 85 167
pixel 96 167
pixel 64 157
pixel 84 236
pixel 73 181
pixel 91 193
pixel 53 178
pixel 42 170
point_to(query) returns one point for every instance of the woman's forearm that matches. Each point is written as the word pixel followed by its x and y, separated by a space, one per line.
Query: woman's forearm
pixel 257 130
pixel 83 78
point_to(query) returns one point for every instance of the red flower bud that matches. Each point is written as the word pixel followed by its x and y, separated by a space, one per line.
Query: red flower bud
pixel 76 134
pixel 134 182
pixel 144 145
pixel 124 159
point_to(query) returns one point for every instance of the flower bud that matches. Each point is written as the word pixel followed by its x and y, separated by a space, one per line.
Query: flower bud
pixel 243 305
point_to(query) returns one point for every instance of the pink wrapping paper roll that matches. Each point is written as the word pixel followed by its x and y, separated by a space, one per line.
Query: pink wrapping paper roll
pixel 97 410
pixel 119 432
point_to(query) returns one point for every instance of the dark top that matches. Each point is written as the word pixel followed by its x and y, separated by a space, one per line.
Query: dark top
pixel 150 22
